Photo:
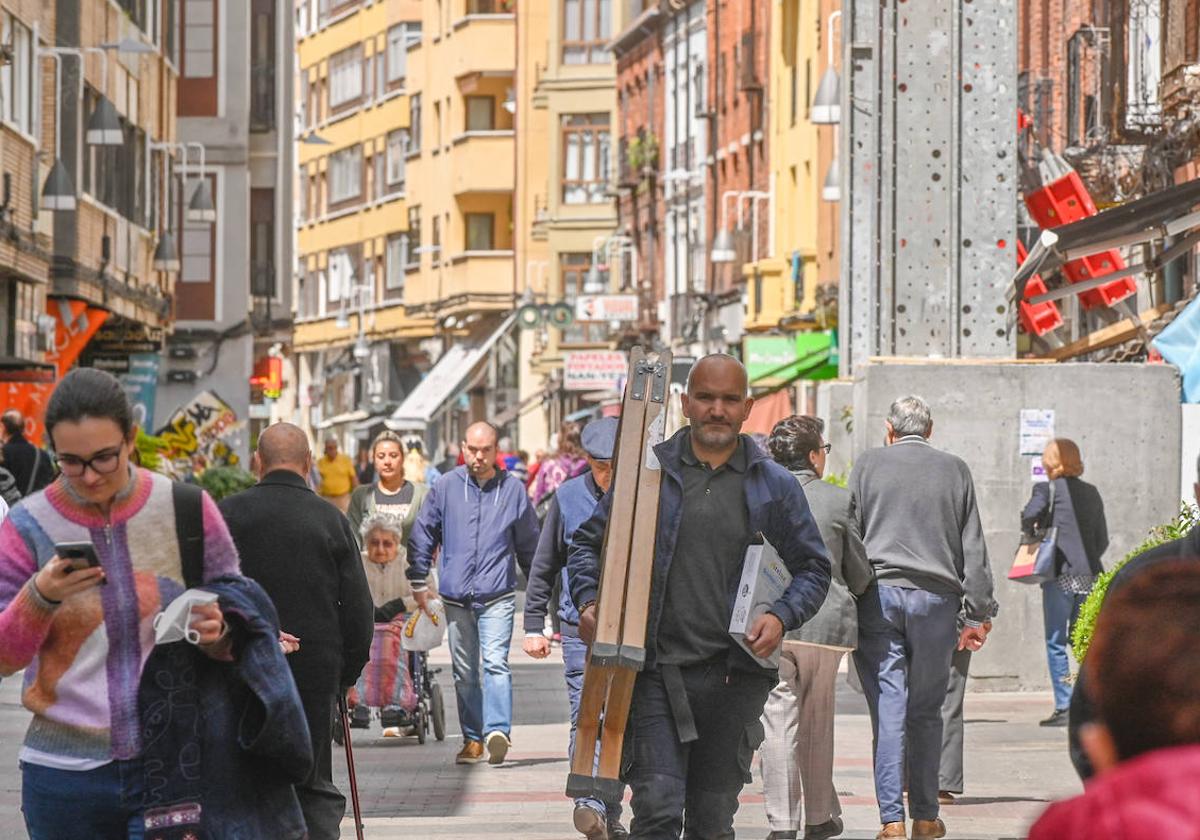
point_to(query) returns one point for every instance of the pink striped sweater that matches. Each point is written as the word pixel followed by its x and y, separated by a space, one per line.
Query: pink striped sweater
pixel 83 659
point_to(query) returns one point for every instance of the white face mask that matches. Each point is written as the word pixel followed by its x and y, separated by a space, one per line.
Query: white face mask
pixel 173 623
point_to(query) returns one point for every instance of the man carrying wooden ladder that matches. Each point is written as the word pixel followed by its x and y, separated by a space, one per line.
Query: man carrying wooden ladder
pixel 694 715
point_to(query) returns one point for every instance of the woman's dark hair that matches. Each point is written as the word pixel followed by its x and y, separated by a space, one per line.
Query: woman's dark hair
pixel 1145 675
pixel 793 439
pixel 88 392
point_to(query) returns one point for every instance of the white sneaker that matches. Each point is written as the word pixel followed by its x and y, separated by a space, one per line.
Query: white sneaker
pixel 497 744
pixel 392 732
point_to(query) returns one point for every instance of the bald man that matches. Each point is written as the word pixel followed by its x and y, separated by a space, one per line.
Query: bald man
pixel 481 519
pixel 303 552
pixel 694 723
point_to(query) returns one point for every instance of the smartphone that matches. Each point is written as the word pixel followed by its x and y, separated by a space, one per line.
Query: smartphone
pixel 81 554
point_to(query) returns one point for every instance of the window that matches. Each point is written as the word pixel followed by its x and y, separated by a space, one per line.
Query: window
pixel 414 123
pixel 586 31
pixel 16 77
pixel 197 246
pixel 199 39
pixel 489 7
pixel 170 30
pixel 399 38
pixel 345 77
pixel 397 143
pixel 574 269
pixel 398 254
pixel 585 143
pixel 481 113
pixel 262 66
pixel 437 125
pixel 435 239
pixel 341 274
pixel 113 175
pixel 480 231
pixel 414 233
pixel 262 242
pixel 345 175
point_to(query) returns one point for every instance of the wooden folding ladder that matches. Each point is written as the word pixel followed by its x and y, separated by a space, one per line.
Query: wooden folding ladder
pixel 623 603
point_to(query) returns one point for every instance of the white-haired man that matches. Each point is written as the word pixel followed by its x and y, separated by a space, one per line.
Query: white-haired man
pixel 916 509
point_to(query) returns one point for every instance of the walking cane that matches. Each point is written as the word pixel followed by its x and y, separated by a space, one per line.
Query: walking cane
pixel 358 823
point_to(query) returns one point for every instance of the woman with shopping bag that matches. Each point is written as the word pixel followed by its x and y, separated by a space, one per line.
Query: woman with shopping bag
pixel 1071 509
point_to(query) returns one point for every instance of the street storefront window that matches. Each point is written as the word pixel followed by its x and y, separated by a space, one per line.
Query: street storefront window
pixel 16 77
pixel 345 77
pixel 586 158
pixel 398 252
pixel 574 269
pixel 587 28
pixel 481 231
pixel 397 141
pixel 345 175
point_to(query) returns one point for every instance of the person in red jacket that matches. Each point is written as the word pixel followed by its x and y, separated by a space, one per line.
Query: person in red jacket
pixel 1145 745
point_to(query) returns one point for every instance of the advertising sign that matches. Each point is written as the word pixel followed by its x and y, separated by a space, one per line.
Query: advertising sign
pixel 141 385
pixel 594 370
pixel 197 428
pixel 606 308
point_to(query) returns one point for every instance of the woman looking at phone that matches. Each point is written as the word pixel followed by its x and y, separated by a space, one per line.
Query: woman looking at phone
pixel 83 645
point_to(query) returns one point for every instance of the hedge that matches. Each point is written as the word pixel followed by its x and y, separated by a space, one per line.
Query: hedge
pixel 1085 624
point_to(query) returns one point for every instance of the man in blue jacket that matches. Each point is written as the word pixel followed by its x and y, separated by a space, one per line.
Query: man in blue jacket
pixel 694 724
pixel 572 504
pixel 481 519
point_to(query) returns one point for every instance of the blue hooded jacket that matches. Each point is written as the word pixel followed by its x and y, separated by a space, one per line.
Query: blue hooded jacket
pixel 480 530
pixel 777 509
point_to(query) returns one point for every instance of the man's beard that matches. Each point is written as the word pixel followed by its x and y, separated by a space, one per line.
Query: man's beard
pixel 714 435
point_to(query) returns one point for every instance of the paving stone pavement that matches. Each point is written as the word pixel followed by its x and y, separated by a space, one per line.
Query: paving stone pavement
pixel 411 791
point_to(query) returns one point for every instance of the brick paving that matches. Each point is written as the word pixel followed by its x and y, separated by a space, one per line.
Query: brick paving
pixel 410 791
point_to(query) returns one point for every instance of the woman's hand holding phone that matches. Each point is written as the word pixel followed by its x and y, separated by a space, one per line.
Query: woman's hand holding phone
pixel 59 579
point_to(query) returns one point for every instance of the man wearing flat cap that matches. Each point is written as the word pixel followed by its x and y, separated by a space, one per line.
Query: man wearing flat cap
pixel 573 503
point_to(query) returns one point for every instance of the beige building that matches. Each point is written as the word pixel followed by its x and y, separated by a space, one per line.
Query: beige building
pixel 565 214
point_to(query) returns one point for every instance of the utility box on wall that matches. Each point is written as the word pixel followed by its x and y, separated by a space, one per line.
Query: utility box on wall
pixel 928 170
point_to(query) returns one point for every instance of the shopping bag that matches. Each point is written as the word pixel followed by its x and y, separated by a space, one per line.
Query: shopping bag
pixel 1035 558
pixel 386 679
pixel 425 631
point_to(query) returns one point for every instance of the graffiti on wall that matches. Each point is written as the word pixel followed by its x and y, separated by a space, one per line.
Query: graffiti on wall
pixel 195 432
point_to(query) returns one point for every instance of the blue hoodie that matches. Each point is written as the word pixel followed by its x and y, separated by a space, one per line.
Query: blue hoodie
pixel 480 531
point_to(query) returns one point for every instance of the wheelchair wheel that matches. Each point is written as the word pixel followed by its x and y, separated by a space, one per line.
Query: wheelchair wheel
pixel 437 711
pixel 422 715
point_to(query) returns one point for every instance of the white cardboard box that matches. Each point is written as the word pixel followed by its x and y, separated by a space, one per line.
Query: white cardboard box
pixel 764 580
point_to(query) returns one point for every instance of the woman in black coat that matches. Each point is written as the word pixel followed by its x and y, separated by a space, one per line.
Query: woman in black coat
pixel 1078 514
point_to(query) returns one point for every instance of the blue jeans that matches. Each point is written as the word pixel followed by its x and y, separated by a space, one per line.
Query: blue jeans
pixel 103 804
pixel 574 653
pixel 1059 610
pixel 482 635
pixel 906 638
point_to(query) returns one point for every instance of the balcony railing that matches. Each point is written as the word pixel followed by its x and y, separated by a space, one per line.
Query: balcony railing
pixel 262 279
pixel 262 98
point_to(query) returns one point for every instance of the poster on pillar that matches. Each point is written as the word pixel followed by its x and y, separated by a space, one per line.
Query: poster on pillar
pixel 75 324
pixel 197 432
pixel 28 391
pixel 141 385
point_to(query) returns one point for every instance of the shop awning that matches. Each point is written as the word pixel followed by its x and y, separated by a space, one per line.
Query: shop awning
pixel 1166 213
pixel 444 381
pixel 341 419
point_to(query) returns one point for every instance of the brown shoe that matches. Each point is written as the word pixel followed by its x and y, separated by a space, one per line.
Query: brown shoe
pixel 928 829
pixel 892 831
pixel 471 753
pixel 945 797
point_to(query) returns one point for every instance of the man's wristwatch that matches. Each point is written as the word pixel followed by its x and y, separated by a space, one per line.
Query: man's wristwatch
pixel 590 603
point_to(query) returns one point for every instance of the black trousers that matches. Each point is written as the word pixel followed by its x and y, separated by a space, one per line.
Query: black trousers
pixel 323 804
pixel 692 787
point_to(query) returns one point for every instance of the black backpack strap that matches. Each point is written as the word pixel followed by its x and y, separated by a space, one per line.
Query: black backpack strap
pixel 189 531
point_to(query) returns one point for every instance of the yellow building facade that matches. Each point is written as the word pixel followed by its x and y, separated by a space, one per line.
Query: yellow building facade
pixel 785 290
pixel 566 160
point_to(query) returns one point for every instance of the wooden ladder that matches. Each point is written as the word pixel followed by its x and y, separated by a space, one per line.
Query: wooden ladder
pixel 623 603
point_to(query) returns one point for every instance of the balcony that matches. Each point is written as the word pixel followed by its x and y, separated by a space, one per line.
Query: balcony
pixel 478 280
pixel 482 162
pixel 483 44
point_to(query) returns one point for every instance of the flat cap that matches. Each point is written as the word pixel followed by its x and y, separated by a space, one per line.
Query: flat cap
pixel 600 438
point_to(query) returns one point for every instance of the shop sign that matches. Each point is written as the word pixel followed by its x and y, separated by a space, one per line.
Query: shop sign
pixel 594 370
pixel 775 359
pixel 606 308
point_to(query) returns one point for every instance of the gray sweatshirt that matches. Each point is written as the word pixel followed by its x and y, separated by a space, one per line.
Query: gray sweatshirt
pixel 916 509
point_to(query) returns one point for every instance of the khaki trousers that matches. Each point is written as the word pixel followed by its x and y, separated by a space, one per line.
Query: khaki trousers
pixel 342 502
pixel 797 755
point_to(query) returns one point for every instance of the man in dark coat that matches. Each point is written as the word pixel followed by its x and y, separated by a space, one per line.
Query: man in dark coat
pixel 303 553
pixel 29 465
pixel 694 722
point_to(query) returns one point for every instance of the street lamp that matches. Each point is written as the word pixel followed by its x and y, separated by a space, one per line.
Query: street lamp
pixel 166 254
pixel 723 248
pixel 58 193
pixel 827 107
pixel 831 190
pixel 314 139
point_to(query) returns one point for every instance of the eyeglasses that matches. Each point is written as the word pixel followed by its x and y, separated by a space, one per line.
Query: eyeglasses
pixel 826 448
pixel 102 463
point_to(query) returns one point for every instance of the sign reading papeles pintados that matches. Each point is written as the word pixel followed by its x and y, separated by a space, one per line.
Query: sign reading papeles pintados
pixel 594 370
pixel 198 426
